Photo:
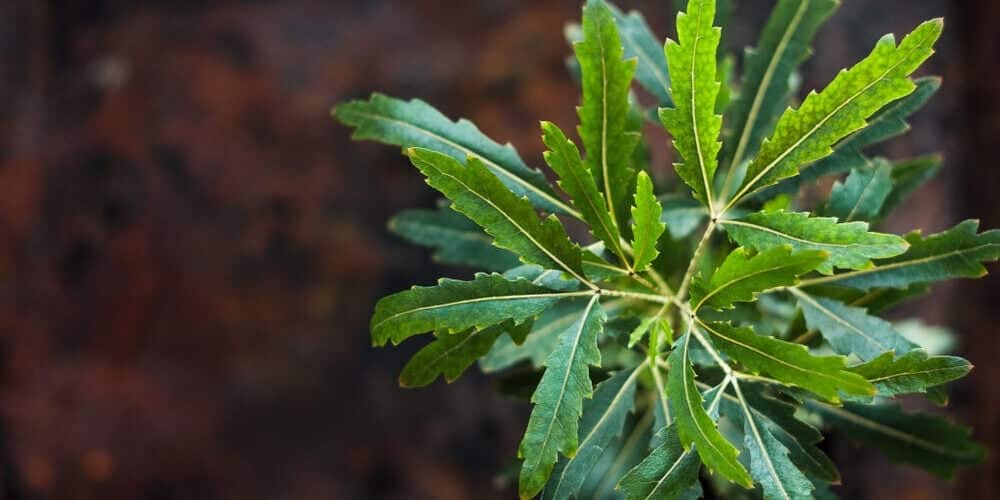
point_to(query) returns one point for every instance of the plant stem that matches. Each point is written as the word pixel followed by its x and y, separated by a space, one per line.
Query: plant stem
pixel 693 266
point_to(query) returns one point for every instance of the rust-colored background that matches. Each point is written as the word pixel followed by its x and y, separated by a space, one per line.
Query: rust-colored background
pixel 191 247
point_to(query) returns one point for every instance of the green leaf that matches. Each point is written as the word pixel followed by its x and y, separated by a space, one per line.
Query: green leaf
pixel 789 363
pixel 742 276
pixel 682 215
pixel 926 441
pixel 694 425
pixel 574 178
pixel 913 372
pixel 849 245
pixel 604 113
pixel 602 421
pixel 692 121
pixel 511 220
pixel 666 474
pixel 851 330
pixel 448 355
pixel 415 124
pixel 454 306
pixel 455 239
pixel 806 135
pixel 640 43
pixel 765 88
pixel 907 176
pixel 862 195
pixel 646 228
pixel 558 400
pixel 955 253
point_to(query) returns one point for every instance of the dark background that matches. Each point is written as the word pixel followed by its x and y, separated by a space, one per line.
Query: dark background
pixel 190 248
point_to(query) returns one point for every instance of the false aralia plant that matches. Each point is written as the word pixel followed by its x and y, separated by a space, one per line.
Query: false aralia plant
pixel 708 331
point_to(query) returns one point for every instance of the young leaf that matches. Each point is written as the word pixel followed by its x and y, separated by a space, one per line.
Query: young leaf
pixel 692 121
pixel 459 305
pixel 742 276
pixel 927 441
pixel 913 372
pixel 448 355
pixel 849 245
pixel 907 176
pixel 789 363
pixel 646 228
pixel 455 239
pixel 511 220
pixel 558 400
pixel 602 421
pixel 694 425
pixel 805 135
pixel 861 196
pixel 851 330
pixel 667 473
pixel 414 123
pixel 955 253
pixel 604 112
pixel 640 43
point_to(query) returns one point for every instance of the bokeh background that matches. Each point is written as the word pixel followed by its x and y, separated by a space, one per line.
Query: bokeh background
pixel 190 248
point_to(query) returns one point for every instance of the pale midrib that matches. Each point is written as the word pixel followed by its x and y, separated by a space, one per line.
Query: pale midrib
pixel 795 238
pixel 604 129
pixel 826 312
pixel 875 426
pixel 641 54
pixel 447 352
pixel 694 115
pixel 495 166
pixel 760 443
pixel 685 364
pixel 917 372
pixel 733 281
pixel 894 265
pixel 613 238
pixel 631 442
pixel 861 197
pixel 676 464
pixel 481 299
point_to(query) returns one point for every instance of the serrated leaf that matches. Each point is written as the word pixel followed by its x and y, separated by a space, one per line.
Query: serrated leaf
pixel 742 275
pixel 646 228
pixel 692 121
pixel 511 220
pixel 926 441
pixel 454 305
pixel 695 427
pixel 913 372
pixel 414 123
pixel 851 330
pixel 666 474
pixel 765 88
pixel 806 134
pixel 789 363
pixel 640 43
pixel 850 245
pixel 448 355
pixel 907 176
pixel 554 422
pixel 602 421
pixel 455 239
pixel 955 253
pixel 862 195
pixel 606 79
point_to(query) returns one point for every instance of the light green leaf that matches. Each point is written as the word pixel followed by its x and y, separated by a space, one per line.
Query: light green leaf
pixel 926 441
pixel 955 253
pixel 414 123
pixel 606 79
pixel 851 330
pixel 552 427
pixel 646 228
pixel 789 363
pixel 640 43
pixel 849 245
pixel 806 135
pixel 454 306
pixel 455 239
pixel 913 372
pixel 694 425
pixel 907 176
pixel 511 220
pixel 692 121
pixel 742 276
pixel 449 355
pixel 861 196
pixel 666 474
pixel 602 421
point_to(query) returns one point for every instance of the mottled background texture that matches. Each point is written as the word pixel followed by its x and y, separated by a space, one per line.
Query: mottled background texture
pixel 190 248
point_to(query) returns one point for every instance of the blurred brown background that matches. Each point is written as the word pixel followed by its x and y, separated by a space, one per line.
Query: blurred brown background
pixel 191 247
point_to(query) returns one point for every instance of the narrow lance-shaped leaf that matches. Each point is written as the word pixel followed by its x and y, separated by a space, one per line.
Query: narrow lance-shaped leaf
pixel 742 275
pixel 602 421
pixel 666 474
pixel 861 196
pixel 455 239
pixel 805 135
pixel 789 363
pixel 606 79
pixel 646 228
pixel 851 330
pixel 849 245
pixel 692 121
pixel 414 123
pixel 449 355
pixel 454 306
pixel 695 427
pixel 511 220
pixel 913 372
pixel 639 42
pixel 554 422
pixel 926 441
